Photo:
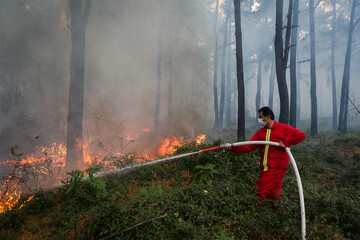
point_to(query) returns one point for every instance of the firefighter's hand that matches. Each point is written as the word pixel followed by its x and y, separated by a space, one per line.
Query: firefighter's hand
pixel 226 146
pixel 282 145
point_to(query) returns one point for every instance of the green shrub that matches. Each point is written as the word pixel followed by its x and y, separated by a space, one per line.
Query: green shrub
pixel 40 202
pixel 203 197
pixel 12 219
pixel 204 173
pixel 346 139
pixel 84 192
pixel 333 157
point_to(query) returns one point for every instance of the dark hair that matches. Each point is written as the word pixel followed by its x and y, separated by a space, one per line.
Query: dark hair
pixel 267 112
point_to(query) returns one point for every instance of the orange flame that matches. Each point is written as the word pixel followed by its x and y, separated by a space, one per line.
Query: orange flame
pixel 8 201
pixel 47 164
pixel 200 139
pixel 170 144
pixel 128 138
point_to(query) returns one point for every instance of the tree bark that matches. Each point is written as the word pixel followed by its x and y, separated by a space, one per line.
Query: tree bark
pixel 158 84
pixel 333 78
pixel 170 65
pixel 193 82
pixel 170 87
pixel 228 77
pixel 222 86
pixel 271 84
pixel 293 87
pixel 281 58
pixel 344 98
pixel 298 92
pixel 258 91
pixel 314 128
pixel 240 73
pixel 79 18
pixel 215 90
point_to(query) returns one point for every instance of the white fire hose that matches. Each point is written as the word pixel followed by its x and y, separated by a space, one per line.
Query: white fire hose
pixel 298 179
pixel 293 163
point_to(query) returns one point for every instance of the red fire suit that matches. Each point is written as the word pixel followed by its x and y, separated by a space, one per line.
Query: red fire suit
pixel 273 160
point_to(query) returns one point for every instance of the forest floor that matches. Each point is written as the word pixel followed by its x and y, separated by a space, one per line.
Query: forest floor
pixel 202 197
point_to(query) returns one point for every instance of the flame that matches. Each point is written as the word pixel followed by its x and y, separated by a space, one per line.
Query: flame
pixel 200 139
pixel 128 138
pixel 47 165
pixel 99 158
pixel 8 201
pixel 29 199
pixel 170 144
pixel 44 166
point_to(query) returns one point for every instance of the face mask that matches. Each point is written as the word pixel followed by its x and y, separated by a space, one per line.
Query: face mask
pixel 261 122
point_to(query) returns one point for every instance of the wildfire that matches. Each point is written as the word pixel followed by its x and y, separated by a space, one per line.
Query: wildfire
pixel 171 143
pixel 42 167
pixel 8 202
pixel 45 167
pixel 200 139
pixel 128 137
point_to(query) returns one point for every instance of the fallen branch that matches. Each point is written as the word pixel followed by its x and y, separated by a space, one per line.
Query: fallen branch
pixel 136 225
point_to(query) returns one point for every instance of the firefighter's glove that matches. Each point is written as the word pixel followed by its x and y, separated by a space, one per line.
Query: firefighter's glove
pixel 226 146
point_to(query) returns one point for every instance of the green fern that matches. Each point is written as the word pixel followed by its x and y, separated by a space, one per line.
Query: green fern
pixel 99 187
pixel 204 173
pixel 93 186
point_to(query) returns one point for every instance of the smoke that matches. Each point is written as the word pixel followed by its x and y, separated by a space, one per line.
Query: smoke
pixel 120 71
pixel 121 67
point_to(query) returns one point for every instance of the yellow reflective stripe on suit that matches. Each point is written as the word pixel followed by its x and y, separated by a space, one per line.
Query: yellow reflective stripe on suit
pixel 268 132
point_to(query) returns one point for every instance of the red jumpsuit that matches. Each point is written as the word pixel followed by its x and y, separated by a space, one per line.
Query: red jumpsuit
pixel 274 160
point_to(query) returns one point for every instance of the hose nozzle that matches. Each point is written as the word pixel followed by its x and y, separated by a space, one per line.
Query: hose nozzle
pixel 226 146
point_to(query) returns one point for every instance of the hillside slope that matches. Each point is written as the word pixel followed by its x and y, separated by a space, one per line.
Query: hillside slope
pixel 202 197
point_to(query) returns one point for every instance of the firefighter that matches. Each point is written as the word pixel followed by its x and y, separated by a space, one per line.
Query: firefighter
pixel 273 160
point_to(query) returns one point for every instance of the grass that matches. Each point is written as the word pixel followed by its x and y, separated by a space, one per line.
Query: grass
pixel 204 197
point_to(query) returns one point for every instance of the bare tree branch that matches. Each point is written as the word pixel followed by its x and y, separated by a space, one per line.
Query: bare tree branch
pixel 355 108
pixel 231 43
pixel 303 61
pixel 357 21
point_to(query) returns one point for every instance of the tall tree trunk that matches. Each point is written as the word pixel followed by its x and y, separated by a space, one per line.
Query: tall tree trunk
pixel 158 84
pixel 294 36
pixel 281 58
pixel 314 127
pixel 228 78
pixel 271 84
pixel 258 91
pixel 79 18
pixel 333 79
pixel 222 86
pixel 170 86
pixel 240 73
pixel 193 82
pixel 298 92
pixel 344 98
pixel 216 52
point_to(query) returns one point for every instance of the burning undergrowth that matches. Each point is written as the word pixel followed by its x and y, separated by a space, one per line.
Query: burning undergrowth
pixel 45 167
